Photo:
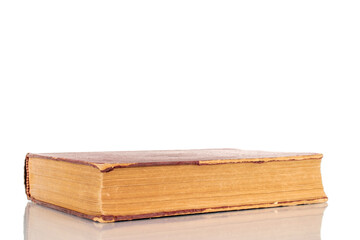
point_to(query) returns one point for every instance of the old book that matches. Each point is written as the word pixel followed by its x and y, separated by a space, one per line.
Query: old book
pixel 115 186
pixel 283 223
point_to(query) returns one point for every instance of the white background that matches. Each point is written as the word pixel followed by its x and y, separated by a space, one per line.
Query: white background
pixel 135 75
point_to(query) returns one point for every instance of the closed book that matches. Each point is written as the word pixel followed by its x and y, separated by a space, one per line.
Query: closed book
pixel 126 185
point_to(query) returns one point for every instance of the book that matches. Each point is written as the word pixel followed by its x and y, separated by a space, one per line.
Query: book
pixel 126 185
pixel 281 223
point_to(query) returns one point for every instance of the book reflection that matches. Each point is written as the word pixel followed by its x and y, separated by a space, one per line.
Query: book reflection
pixel 297 222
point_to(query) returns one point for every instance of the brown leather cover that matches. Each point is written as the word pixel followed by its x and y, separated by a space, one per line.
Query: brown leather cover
pixel 107 161
pixel 112 218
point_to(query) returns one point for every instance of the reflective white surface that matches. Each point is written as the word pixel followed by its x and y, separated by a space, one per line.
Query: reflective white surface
pixel 282 223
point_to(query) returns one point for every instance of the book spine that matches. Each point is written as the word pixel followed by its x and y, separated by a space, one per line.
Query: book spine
pixel 26 176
